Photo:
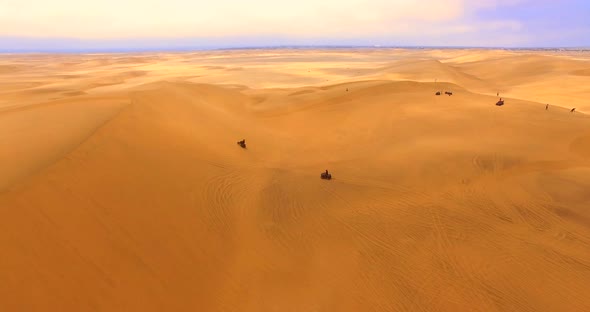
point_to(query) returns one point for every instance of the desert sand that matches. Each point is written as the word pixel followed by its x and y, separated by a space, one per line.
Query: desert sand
pixel 122 187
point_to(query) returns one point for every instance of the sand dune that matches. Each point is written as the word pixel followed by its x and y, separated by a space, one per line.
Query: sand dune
pixel 132 194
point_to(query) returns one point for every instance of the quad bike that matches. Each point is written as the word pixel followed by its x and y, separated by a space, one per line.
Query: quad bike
pixel 326 176
pixel 242 143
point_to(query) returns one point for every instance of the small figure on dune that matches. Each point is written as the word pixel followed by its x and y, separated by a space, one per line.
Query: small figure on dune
pixel 497 93
pixel 500 102
pixel 346 89
pixel 573 110
pixel 547 107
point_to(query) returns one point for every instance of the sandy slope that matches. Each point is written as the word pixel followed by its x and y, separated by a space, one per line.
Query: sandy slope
pixel 132 195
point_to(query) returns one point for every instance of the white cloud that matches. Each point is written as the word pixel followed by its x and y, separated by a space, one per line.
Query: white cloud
pixel 207 18
pixel 501 3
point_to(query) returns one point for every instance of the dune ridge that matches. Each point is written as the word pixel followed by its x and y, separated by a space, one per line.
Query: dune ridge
pixel 135 196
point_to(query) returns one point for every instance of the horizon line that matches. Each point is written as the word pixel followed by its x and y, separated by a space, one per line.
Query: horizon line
pixel 274 47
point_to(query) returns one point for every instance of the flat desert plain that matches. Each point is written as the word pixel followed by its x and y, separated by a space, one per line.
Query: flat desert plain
pixel 122 187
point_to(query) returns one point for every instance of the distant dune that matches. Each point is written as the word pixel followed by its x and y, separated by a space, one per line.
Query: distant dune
pixel 123 188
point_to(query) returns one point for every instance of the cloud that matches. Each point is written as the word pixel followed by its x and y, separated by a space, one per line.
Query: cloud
pixel 486 4
pixel 110 23
pixel 182 18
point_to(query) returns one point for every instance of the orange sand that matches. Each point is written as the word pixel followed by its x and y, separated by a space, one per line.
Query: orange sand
pixel 123 189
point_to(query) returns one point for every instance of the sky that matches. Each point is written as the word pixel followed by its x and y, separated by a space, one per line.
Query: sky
pixel 62 25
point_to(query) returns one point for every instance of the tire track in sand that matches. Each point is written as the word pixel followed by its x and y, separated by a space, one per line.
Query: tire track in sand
pixel 451 263
pixel 375 249
pixel 290 211
pixel 219 200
